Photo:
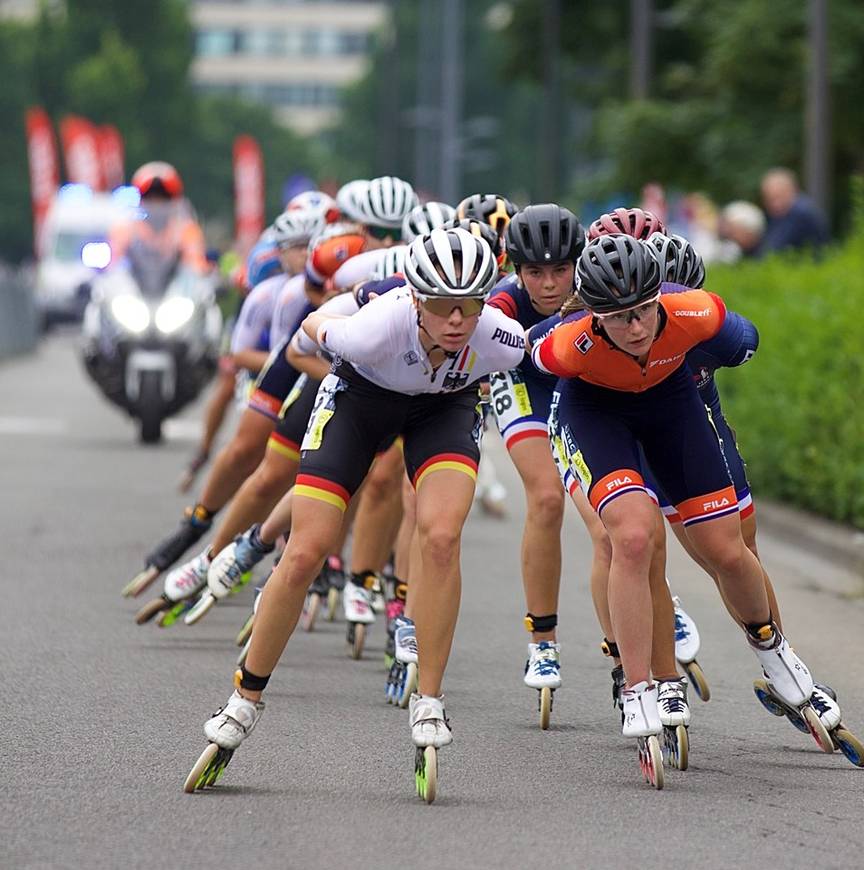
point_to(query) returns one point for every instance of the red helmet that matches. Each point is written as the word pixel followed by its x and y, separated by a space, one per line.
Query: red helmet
pixel 158 177
pixel 634 222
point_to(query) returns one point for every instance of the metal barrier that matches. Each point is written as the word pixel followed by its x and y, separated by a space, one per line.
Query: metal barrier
pixel 19 320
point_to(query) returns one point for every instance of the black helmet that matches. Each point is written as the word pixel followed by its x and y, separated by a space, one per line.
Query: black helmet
pixel 544 233
pixel 679 261
pixel 490 208
pixel 617 272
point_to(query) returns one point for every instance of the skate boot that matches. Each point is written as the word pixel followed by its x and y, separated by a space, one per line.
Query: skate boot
pixel 229 571
pixel 372 582
pixel 182 585
pixel 543 672
pixel 787 681
pixel 394 608
pixel 316 593
pixel 335 575
pixel 610 648
pixel 430 730
pixel 196 522
pixel 226 730
pixel 675 718
pixel 357 601
pixel 402 678
pixel 642 721
pixel 687 648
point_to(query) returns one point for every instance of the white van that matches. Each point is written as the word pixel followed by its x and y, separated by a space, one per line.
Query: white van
pixel 75 247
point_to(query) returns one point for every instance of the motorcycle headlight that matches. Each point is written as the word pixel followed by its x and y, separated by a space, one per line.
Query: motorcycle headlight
pixel 131 313
pixel 174 314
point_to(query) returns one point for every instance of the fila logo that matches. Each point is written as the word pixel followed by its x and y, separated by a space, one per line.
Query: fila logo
pixel 583 343
pixel 619 481
pixel 715 504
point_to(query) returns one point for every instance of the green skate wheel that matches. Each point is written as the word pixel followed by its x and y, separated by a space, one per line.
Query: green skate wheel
pixel 243 634
pixel 149 610
pixel 426 773
pixel 200 771
pixel 173 613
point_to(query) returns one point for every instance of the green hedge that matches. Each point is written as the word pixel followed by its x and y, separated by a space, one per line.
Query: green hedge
pixel 798 406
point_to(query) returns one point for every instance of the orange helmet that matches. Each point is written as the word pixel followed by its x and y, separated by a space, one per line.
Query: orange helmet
pixel 158 177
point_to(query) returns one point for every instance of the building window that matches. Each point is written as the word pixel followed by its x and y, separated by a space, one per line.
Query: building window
pixel 217 43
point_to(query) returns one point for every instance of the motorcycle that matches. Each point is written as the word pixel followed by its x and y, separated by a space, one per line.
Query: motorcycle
pixel 151 334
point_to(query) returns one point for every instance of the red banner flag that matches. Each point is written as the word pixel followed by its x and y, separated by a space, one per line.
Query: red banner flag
pixel 81 151
pixel 248 193
pixel 109 142
pixel 44 169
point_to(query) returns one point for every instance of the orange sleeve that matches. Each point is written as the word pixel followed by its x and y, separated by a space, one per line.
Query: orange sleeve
pixel 698 313
pixel 562 352
pixel 332 253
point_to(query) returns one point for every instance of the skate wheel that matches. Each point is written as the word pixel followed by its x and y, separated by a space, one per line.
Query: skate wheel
pixel 697 680
pixel 682 747
pixel 332 603
pixel 817 729
pixel 199 772
pixel 426 773
pixel 168 617
pixel 545 707
pixel 241 659
pixel 140 582
pixel 766 699
pixel 149 610
pixel 310 611
pixel 200 609
pixel 654 762
pixel 409 684
pixel 357 637
pixel 243 634
pixel 849 745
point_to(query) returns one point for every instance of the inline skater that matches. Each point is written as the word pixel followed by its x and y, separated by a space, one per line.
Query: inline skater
pixel 626 386
pixel 409 363
pixel 543 243
pixel 242 454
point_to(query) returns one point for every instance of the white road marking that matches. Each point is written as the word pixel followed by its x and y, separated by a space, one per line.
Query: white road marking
pixel 32 426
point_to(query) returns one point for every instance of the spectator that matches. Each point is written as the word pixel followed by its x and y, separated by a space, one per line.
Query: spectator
pixel 794 221
pixel 742 225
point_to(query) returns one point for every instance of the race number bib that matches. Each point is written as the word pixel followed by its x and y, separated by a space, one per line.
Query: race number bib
pixel 509 398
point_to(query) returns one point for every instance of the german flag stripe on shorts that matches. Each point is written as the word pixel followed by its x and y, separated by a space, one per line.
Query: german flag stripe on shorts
pixel 451 461
pixel 323 490
pixel 284 446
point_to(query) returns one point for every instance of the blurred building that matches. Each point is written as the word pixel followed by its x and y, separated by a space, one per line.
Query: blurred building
pixel 294 55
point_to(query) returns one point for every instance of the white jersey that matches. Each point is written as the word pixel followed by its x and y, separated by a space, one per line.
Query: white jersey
pixel 344 304
pixel 382 343
pixel 292 305
pixel 358 268
pixel 256 314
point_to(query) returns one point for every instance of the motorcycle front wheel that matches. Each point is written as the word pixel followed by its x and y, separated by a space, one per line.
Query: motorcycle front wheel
pixel 150 408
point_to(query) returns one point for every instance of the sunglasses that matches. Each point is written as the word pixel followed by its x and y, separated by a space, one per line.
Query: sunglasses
pixel 444 307
pixel 382 233
pixel 625 318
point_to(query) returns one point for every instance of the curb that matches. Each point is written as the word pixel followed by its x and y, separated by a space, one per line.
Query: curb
pixel 843 545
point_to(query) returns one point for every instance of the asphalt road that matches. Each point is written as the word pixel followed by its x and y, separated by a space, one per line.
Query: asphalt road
pixel 101 719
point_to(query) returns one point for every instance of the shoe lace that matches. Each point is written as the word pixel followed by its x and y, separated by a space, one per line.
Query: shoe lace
pixel 546 662
pixel 407 639
pixel 681 630
pixel 819 702
pixel 672 700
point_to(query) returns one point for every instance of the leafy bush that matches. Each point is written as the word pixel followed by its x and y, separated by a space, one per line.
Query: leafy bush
pixel 798 407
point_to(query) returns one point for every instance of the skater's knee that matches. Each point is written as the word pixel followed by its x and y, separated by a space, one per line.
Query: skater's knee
pixel 632 543
pixel 546 504
pixel 439 543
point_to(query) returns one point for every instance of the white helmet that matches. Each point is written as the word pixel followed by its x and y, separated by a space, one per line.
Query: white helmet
pixel 296 227
pixel 381 202
pixel 392 261
pixel 424 218
pixel 433 270
pixel 317 201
